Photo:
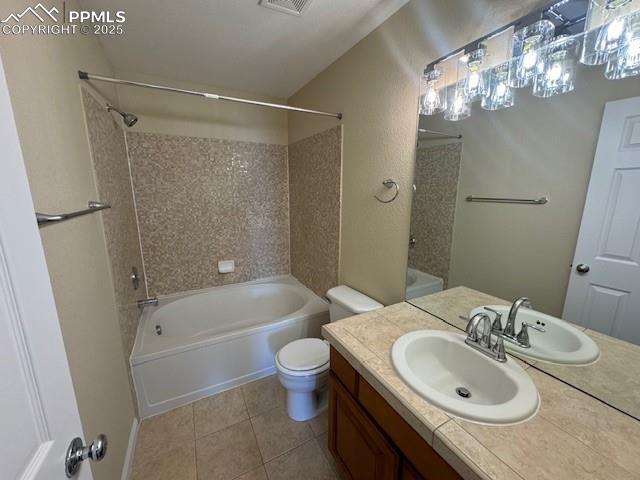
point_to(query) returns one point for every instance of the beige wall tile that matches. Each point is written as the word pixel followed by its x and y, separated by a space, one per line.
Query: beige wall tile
pixel 315 171
pixel 203 200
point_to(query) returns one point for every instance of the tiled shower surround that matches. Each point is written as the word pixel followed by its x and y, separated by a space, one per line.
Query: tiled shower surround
pixel 203 200
pixel 181 204
pixel 434 207
pixel 315 166
pixel 113 182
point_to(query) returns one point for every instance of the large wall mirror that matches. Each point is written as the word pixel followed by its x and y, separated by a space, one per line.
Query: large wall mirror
pixel 527 183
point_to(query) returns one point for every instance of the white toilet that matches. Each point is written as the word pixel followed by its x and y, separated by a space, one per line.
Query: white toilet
pixel 303 365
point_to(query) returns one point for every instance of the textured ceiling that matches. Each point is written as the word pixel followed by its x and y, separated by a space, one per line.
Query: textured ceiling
pixel 237 43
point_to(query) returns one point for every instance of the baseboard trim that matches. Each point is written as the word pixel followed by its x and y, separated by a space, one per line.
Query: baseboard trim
pixel 128 459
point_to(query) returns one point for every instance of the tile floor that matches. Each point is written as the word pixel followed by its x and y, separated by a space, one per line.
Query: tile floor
pixel 242 434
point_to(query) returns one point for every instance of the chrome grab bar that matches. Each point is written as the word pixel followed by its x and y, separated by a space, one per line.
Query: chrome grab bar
pixel 47 219
pixel 527 201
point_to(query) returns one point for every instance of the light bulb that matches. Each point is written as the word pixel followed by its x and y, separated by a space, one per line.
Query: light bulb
pixel 432 96
pixel 615 30
pixel 474 80
pixel 458 103
pixel 529 60
pixel 554 73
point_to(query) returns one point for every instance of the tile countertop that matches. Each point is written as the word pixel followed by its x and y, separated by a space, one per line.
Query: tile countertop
pixel 573 436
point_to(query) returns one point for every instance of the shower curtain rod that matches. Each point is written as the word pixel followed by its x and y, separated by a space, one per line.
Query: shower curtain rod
pixel 210 96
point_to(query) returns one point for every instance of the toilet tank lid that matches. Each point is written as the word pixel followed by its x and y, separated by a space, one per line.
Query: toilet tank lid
pixel 352 300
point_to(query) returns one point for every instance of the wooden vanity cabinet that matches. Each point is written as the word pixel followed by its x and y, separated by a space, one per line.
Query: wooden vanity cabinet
pixel 367 437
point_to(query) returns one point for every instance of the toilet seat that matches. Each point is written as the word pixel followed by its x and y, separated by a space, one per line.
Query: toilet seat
pixel 303 357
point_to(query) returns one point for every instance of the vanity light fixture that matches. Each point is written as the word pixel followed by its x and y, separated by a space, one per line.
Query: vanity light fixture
pixel 474 74
pixel 611 35
pixel 499 92
pixel 606 26
pixel 458 107
pixel 526 51
pixel 626 62
pixel 557 74
pixel 432 95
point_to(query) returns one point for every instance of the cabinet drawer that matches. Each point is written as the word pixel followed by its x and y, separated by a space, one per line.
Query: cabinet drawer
pixel 361 451
pixel 344 371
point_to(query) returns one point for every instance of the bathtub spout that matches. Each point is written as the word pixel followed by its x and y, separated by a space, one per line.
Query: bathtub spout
pixel 148 302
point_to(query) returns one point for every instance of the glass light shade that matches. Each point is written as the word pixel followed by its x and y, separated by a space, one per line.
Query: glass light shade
pixel 558 72
pixel 432 96
pixel 626 62
pixel 526 45
pixel 606 27
pixel 458 108
pixel 474 76
pixel 499 92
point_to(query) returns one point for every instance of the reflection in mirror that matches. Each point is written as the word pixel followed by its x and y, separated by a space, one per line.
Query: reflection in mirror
pixel 555 218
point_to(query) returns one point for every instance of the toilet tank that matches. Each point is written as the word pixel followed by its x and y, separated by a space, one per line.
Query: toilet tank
pixel 347 302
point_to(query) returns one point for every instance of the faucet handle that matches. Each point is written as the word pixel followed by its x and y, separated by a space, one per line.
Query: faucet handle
pixel 497 321
pixel 523 336
pixel 499 351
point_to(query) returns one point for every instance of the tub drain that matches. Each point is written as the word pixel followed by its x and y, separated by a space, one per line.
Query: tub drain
pixel 463 392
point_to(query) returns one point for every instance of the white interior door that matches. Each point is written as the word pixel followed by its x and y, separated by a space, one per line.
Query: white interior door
pixel 604 287
pixel 38 410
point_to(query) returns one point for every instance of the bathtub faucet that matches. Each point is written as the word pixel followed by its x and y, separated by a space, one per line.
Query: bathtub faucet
pixel 148 302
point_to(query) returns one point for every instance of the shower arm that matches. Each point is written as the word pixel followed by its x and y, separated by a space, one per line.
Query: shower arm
pixel 209 96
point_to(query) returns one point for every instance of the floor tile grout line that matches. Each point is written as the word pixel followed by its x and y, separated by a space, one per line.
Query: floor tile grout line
pixel 255 437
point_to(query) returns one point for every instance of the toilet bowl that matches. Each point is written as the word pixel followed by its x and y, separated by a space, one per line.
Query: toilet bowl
pixel 303 365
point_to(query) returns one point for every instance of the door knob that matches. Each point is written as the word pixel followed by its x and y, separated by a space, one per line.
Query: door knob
pixel 78 453
pixel 582 268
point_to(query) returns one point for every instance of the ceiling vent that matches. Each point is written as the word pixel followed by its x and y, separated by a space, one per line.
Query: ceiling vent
pixel 292 7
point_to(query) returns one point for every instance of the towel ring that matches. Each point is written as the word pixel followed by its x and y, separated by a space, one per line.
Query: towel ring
pixel 389 183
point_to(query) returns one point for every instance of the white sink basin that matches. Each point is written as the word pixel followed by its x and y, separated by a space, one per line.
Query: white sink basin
pixel 560 343
pixel 438 364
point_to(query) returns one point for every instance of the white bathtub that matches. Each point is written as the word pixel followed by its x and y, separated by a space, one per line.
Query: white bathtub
pixel 218 338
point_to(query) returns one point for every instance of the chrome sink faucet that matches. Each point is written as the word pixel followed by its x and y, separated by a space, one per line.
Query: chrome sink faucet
pixel 509 332
pixel 510 327
pixel 483 343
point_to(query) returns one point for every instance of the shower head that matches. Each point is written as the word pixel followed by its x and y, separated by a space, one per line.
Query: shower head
pixel 129 119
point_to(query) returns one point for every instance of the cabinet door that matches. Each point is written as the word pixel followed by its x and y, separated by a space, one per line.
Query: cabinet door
pixel 361 451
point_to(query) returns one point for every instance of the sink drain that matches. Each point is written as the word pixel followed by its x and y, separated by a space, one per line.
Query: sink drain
pixel 463 392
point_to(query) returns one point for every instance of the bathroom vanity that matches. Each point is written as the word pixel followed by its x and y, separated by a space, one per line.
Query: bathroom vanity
pixel 381 428
pixel 369 439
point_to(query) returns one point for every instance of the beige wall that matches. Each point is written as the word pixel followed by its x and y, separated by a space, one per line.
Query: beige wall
pixel 375 85
pixel 45 93
pixel 176 114
pixel 539 147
